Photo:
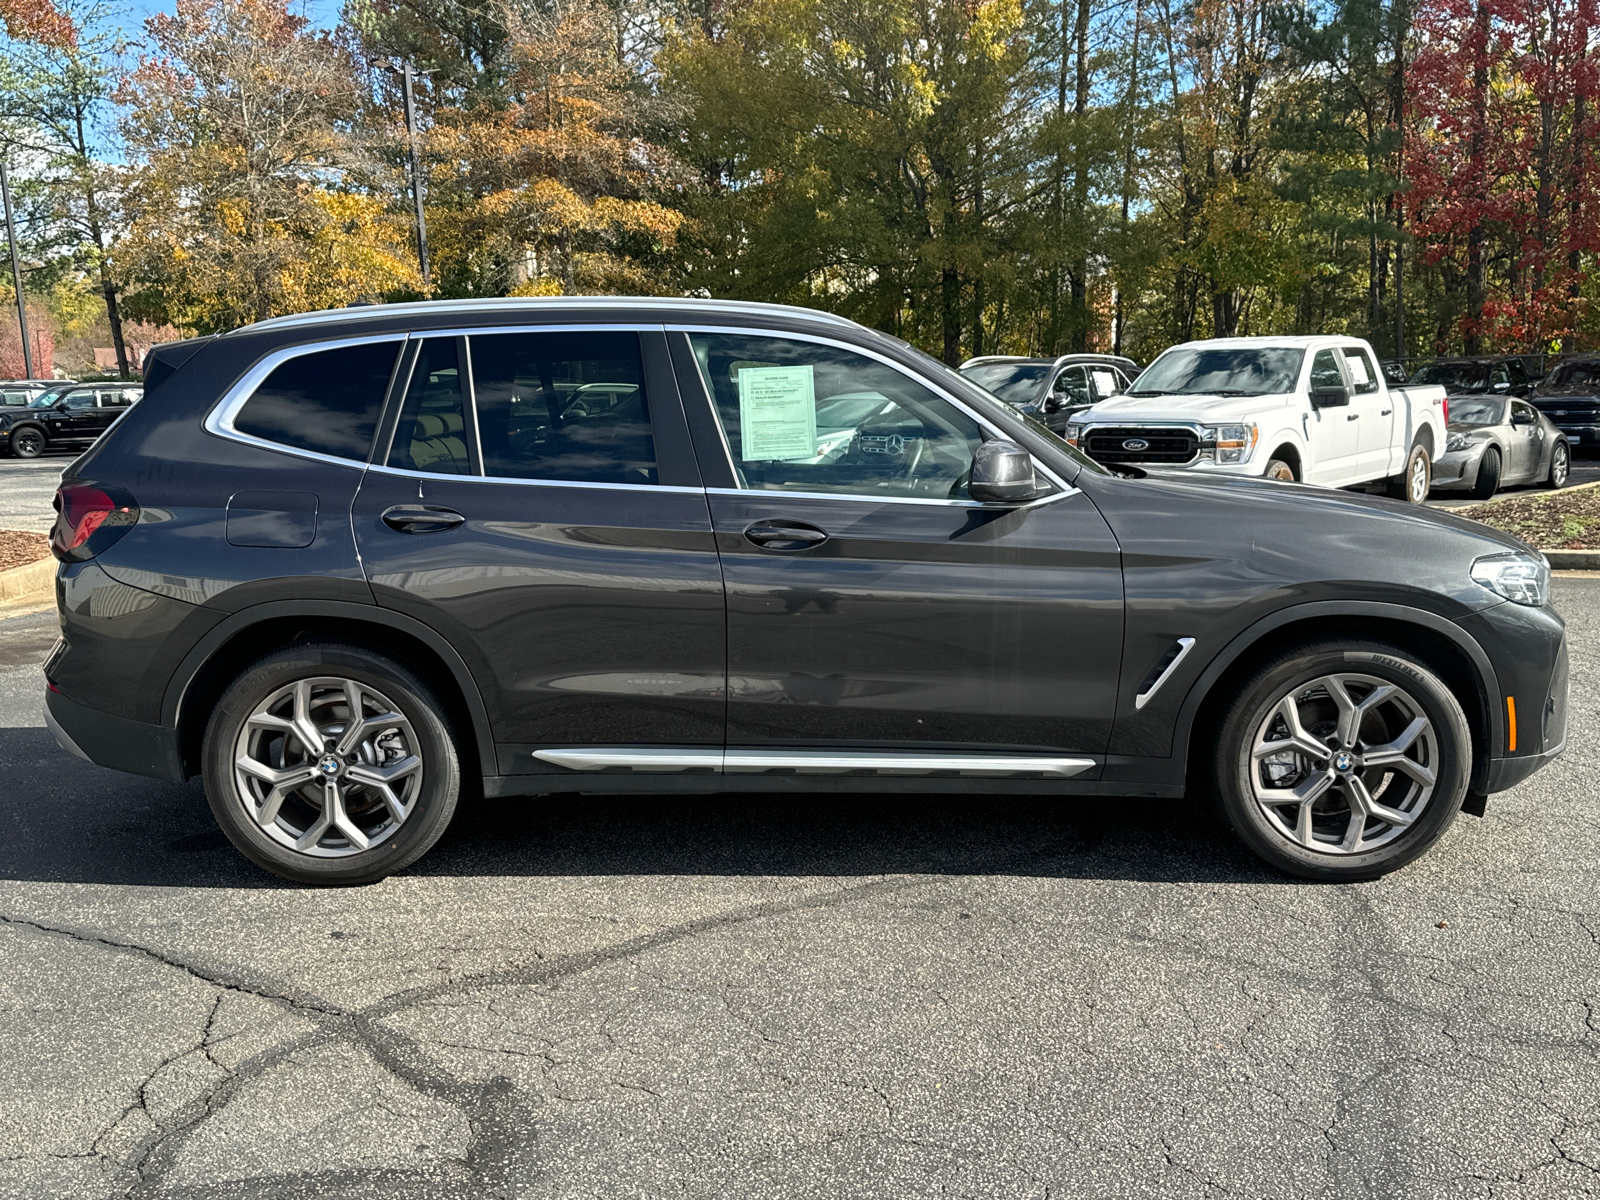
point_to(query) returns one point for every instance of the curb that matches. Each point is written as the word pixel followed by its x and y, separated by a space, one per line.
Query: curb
pixel 31 584
pixel 1573 560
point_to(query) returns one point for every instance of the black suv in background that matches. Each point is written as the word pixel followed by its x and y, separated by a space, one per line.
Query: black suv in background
pixel 1570 396
pixel 352 567
pixel 1052 389
pixel 65 416
pixel 1505 376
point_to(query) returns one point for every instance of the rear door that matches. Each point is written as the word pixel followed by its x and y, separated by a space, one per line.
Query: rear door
pixel 1374 409
pixel 872 605
pixel 539 506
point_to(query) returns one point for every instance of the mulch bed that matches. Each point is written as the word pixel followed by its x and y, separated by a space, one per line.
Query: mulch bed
pixel 18 549
pixel 1565 520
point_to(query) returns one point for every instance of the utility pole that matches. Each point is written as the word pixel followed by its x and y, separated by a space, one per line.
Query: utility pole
pixel 16 272
pixel 416 176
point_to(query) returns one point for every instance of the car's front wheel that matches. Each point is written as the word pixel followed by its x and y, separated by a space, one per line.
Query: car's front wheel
pixel 329 763
pixel 28 442
pixel 1342 760
pixel 1488 481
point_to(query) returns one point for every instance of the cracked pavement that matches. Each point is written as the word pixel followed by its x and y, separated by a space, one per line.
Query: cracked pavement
pixel 792 997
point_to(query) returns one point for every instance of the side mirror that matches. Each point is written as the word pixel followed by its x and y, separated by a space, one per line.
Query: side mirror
pixel 61 406
pixel 1002 472
pixel 1332 396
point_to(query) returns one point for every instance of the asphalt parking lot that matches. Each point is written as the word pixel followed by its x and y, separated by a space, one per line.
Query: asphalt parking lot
pixel 761 997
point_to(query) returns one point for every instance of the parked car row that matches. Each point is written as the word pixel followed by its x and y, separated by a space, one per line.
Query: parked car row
pixel 419 553
pixel 62 415
pixel 1313 410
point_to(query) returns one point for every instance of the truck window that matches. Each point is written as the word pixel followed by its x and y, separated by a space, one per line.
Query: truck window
pixel 1362 374
pixel 1325 370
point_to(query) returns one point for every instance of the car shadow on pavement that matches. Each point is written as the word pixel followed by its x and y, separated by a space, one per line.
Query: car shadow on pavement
pixel 71 822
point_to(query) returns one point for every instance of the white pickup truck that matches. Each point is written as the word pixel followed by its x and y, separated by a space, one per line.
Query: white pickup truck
pixel 1312 409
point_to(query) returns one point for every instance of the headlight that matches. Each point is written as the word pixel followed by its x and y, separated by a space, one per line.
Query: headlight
pixel 1233 442
pixel 1520 578
pixel 1458 441
pixel 1074 433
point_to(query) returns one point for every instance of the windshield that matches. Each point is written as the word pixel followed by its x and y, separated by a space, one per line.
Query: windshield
pixel 1477 412
pixel 1015 383
pixel 848 411
pixel 1578 374
pixel 1452 375
pixel 1218 372
pixel 47 398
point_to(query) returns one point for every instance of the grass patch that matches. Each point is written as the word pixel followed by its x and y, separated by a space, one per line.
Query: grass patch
pixel 1564 520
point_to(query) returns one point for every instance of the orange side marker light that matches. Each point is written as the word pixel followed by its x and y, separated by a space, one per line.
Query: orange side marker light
pixel 1511 724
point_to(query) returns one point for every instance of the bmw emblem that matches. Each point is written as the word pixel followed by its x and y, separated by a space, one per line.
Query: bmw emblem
pixel 1136 444
pixel 1342 761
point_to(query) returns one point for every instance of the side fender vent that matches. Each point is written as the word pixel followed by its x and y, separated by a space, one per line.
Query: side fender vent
pixel 1162 671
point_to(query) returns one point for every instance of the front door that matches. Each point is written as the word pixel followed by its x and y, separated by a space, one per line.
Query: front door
pixel 1527 442
pixel 539 507
pixel 871 602
pixel 1335 435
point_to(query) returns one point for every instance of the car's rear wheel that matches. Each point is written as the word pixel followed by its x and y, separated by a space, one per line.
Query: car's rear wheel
pixel 330 763
pixel 1488 481
pixel 1342 760
pixel 27 442
pixel 1560 466
pixel 1415 478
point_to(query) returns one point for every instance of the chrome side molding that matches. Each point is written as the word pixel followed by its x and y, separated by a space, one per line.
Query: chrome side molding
pixel 813 762
pixel 1182 646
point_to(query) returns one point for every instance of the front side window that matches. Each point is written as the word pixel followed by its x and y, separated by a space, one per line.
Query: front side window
pixel 431 434
pixel 326 401
pixel 563 406
pixel 83 398
pixel 1325 370
pixel 1073 385
pixel 806 417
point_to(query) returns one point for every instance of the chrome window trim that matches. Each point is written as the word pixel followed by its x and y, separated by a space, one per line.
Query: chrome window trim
pixel 774 494
pixel 563 483
pixel 812 762
pixel 219 421
pixel 1186 644
pixel 936 389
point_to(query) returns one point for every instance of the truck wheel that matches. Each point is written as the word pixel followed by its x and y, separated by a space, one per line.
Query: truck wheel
pixel 1560 466
pixel 1342 759
pixel 1414 481
pixel 1488 482
pixel 1278 469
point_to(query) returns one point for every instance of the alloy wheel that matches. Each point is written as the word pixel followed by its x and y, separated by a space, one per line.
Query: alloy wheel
pixel 1344 764
pixel 29 443
pixel 1419 479
pixel 328 767
pixel 1560 465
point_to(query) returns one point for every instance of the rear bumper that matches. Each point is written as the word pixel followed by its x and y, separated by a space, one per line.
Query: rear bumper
pixel 114 742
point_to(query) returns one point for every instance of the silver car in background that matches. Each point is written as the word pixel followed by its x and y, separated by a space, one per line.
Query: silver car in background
pixel 1496 442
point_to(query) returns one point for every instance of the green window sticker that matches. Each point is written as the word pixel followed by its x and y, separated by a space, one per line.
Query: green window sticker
pixel 777 414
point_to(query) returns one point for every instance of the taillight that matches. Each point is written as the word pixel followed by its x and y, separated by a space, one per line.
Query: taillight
pixel 89 517
pixel 1446 403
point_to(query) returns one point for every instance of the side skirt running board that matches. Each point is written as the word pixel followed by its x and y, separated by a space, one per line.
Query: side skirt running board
pixel 812 762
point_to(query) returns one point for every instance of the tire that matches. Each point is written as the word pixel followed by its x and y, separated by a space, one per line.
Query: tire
pixel 28 442
pixel 1319 839
pixel 311 684
pixel 1560 466
pixel 1488 481
pixel 1280 470
pixel 1415 478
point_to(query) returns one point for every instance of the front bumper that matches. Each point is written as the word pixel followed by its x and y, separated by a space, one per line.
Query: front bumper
pixel 1458 468
pixel 1527 649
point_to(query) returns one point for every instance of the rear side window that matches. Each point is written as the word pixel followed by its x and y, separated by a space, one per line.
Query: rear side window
pixel 432 433
pixel 1362 374
pixel 567 406
pixel 327 401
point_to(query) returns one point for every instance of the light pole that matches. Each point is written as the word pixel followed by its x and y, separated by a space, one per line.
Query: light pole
pixel 16 272
pixel 416 174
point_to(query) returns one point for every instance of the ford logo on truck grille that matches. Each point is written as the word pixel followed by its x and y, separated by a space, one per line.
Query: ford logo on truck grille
pixel 1136 444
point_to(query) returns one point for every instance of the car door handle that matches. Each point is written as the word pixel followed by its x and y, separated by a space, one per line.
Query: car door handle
pixel 784 535
pixel 1386 412
pixel 1352 417
pixel 421 518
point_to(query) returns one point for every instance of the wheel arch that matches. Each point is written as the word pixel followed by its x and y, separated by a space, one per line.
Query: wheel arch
pixel 232 645
pixel 33 425
pixel 1424 439
pixel 1289 451
pixel 1444 646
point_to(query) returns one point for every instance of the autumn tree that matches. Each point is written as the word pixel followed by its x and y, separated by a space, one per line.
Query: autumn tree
pixel 245 199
